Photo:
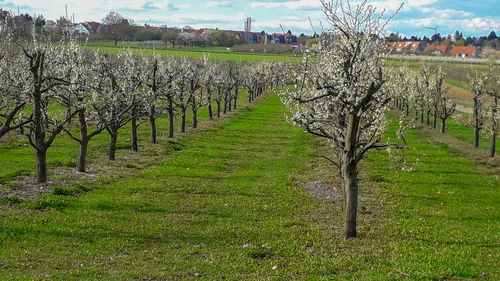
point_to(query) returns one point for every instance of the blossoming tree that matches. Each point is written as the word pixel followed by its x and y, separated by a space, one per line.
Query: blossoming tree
pixel 340 93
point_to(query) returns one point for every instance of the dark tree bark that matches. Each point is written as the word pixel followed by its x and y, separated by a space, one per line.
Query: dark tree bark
pixel 183 120
pixel 84 142
pixel 443 125
pixel 235 97
pixel 218 108
pixel 170 110
pixel 494 110
pixel 113 136
pixel 41 164
pixel 434 122
pixel 152 122
pixel 195 117
pixel 349 174
pixel 477 122
pixel 133 134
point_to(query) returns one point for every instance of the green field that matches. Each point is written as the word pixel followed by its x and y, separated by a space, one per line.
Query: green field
pixel 218 53
pixel 230 202
pixel 249 197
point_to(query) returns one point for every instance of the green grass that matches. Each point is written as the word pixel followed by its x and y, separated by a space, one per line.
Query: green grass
pixel 227 204
pixel 217 53
pixel 445 221
pixel 18 157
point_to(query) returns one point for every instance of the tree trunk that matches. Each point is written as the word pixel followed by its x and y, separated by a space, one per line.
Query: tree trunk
pixel 434 122
pixel 218 109
pixel 476 123
pixel 428 117
pixel 477 130
pixel 84 143
pixel 494 110
pixel 235 99
pixel 230 107
pixel 407 110
pixel 422 117
pixel 152 121
pixel 170 119
pixel 225 106
pixel 82 156
pixel 133 136
pixel 416 115
pixel 195 117
pixel 443 125
pixel 68 112
pixel 113 136
pixel 41 164
pixel 350 182
pixel 350 177
pixel 183 120
pixel 210 113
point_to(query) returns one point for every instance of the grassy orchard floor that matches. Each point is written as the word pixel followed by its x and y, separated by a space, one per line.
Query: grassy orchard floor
pixel 18 157
pixel 219 53
pixel 229 205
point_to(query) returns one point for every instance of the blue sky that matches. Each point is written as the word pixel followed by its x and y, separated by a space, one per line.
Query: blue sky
pixel 470 17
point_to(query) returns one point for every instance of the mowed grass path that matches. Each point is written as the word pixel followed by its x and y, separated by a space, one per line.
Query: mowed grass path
pixel 222 207
pixel 229 206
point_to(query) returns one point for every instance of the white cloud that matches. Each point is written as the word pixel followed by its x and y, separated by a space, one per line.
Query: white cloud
pixel 213 4
pixel 293 5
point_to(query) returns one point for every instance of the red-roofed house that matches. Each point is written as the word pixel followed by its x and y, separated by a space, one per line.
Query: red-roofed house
pixel 464 52
pixel 416 47
pixel 412 47
pixel 436 50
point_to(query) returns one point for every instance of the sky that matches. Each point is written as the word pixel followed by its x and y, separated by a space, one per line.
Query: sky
pixel 475 18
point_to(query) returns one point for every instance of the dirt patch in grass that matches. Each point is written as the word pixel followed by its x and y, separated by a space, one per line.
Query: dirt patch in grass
pixel 460 95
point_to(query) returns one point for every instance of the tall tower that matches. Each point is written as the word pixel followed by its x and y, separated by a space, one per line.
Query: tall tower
pixel 248 25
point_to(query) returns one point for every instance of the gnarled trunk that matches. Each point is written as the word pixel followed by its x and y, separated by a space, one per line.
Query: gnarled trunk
pixel 41 164
pixel 434 122
pixel 195 117
pixel 348 171
pixel 350 183
pixel 81 165
pixel 477 124
pixel 494 110
pixel 443 125
pixel 183 120
pixel 133 134
pixel 170 119
pixel 152 121
pixel 113 136
pixel 84 143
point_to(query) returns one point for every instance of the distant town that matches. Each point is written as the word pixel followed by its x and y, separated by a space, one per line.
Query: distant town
pixel 117 28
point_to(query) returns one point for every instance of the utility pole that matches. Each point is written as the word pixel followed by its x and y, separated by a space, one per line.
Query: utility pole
pixel 66 8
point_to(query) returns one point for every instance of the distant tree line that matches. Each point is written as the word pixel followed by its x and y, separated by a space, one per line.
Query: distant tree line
pixel 457 39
